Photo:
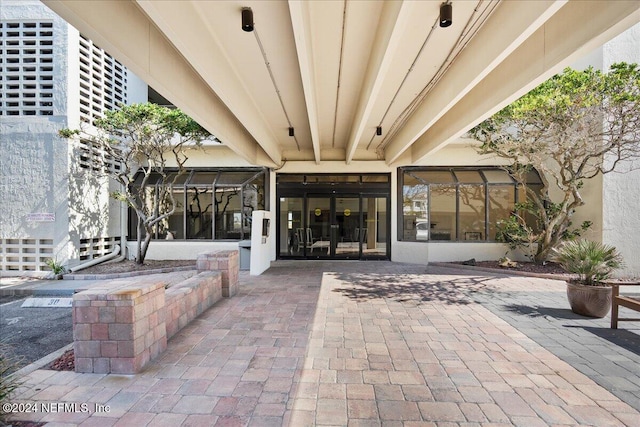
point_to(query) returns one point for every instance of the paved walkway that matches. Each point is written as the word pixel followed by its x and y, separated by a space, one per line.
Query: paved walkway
pixel 369 344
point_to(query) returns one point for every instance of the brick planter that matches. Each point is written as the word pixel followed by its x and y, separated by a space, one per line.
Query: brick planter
pixel 187 300
pixel 122 325
pixel 119 329
pixel 227 263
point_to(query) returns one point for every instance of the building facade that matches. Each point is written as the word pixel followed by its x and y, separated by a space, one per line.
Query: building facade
pixel 51 77
pixel 443 207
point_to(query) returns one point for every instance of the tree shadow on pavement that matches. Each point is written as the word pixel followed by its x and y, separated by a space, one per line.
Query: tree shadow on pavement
pixel 626 339
pixel 538 311
pixel 417 288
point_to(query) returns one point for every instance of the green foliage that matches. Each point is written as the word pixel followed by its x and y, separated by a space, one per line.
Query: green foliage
pixel 145 139
pixel 576 232
pixel 55 266
pixel 571 128
pixel 8 383
pixel 68 133
pixel 518 234
pixel 144 123
pixel 593 262
pixel 119 196
pixel 512 231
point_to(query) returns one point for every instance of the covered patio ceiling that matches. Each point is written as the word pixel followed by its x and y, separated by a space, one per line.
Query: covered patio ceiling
pixel 335 71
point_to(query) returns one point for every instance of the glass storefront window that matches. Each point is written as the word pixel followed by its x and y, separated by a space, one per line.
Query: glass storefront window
pixel 457 204
pixel 203 178
pixel 472 212
pixel 442 212
pixel 433 177
pixel 345 218
pixel 497 176
pixel 228 213
pixel 210 204
pixel 199 213
pixel 529 218
pixel 374 235
pixel 469 177
pixel 175 221
pixel 501 204
pixel 415 209
pixel 234 178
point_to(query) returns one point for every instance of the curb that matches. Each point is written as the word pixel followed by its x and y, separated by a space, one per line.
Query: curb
pixel 127 274
pixel 15 292
pixel 504 272
pixel 43 361
pixel 26 290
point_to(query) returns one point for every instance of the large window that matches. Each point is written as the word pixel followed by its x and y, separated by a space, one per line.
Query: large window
pixel 457 204
pixel 210 204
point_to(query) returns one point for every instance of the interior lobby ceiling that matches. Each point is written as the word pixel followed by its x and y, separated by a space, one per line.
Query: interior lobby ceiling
pixel 355 80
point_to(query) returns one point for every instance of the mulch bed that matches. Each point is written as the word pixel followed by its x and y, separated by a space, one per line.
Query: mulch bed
pixel 528 267
pixel 129 265
pixel 66 362
pixel 24 424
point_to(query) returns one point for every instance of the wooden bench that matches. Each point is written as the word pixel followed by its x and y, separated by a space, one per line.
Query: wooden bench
pixel 618 300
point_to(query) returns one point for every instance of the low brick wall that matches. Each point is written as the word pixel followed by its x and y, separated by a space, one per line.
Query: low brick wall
pixel 123 324
pixel 227 263
pixel 120 327
pixel 187 300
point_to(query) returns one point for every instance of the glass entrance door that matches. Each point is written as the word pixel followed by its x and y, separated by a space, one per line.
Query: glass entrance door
pixel 347 227
pixel 374 236
pixel 290 220
pixel 334 227
pixel 318 232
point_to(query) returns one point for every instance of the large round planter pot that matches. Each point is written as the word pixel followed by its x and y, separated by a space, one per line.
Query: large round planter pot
pixel 592 301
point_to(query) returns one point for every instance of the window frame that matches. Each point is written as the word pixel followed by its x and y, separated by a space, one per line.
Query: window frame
pixel 186 185
pixel 487 184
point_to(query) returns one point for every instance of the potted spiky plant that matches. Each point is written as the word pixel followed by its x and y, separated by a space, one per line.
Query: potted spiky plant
pixel 592 263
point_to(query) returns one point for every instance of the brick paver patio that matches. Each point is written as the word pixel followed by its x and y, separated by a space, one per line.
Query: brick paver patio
pixel 370 343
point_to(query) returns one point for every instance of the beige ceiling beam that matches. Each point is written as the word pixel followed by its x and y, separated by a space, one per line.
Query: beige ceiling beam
pixel 509 26
pixel 391 27
pixel 300 22
pixel 571 33
pixel 177 20
pixel 113 26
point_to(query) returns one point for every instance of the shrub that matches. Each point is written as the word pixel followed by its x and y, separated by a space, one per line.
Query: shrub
pixel 8 383
pixel 56 267
pixel 593 262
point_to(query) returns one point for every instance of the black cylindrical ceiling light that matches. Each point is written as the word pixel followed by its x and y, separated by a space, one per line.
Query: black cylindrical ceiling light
pixel 291 132
pixel 446 15
pixel 379 130
pixel 247 19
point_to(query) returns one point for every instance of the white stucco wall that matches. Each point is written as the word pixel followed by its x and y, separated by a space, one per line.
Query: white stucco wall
pixel 261 253
pixel 34 161
pixel 621 191
pixel 613 198
pixel 214 155
pixel 33 170
pixel 37 174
